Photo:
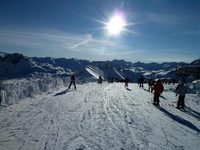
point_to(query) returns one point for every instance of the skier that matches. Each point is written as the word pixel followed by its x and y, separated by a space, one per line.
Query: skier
pixel 141 81
pixel 112 79
pixel 72 81
pixel 126 82
pixel 181 89
pixel 150 83
pixel 100 80
pixel 158 89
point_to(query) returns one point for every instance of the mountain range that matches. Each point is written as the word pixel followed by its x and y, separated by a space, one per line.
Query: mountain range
pixel 17 65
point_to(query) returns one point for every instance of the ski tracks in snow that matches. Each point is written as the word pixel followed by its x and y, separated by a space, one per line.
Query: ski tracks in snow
pixel 95 117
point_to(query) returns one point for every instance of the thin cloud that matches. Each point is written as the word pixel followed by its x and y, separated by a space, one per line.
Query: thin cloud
pixel 67 44
pixel 85 46
pixel 85 41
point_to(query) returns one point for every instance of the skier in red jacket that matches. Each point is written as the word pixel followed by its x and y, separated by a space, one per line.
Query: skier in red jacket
pixel 158 89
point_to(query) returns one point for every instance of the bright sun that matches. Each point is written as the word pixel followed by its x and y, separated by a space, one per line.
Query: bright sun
pixel 116 25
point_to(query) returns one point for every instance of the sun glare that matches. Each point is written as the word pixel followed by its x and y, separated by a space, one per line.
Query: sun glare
pixel 116 25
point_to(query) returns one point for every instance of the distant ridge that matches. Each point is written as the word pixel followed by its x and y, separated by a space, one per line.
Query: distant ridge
pixel 18 65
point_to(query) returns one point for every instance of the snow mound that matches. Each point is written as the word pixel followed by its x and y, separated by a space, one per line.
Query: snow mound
pixel 17 89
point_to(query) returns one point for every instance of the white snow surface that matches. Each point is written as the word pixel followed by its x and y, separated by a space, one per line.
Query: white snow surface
pixel 100 117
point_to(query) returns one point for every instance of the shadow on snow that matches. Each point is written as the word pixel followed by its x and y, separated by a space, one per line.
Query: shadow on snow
pixel 180 120
pixel 63 92
pixel 193 113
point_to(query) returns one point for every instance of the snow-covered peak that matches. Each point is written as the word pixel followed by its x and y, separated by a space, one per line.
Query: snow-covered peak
pixel 16 65
pixel 2 54
pixel 196 62
pixel 13 58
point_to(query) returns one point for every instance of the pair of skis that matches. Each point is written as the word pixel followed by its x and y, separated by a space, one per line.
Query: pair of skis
pixel 171 105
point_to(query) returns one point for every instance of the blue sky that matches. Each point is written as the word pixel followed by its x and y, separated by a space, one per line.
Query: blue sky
pixel 156 30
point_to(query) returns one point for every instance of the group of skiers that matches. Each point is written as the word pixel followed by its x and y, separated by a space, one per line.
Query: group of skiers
pixel 180 90
pixel 157 88
pixel 154 86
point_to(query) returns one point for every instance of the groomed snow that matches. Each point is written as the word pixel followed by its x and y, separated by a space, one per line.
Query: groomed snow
pixel 100 117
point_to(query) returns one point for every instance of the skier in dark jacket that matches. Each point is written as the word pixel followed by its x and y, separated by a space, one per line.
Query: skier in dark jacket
pixel 141 81
pixel 100 80
pixel 181 89
pixel 150 83
pixel 112 79
pixel 72 81
pixel 158 89
pixel 126 80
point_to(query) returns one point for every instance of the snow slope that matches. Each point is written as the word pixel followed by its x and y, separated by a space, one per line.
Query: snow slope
pixel 100 117
pixel 94 71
